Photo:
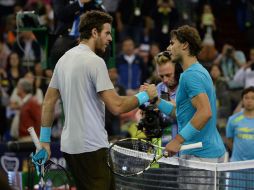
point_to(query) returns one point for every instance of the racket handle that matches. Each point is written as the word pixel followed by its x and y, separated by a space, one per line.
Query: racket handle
pixel 191 146
pixel 34 138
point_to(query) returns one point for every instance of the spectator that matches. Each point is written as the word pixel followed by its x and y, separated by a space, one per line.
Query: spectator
pixel 4 98
pixel 129 67
pixel 169 73
pixel 153 76
pixel 111 7
pixel 230 61
pixel 4 53
pixel 16 103
pixel 14 71
pixel 245 75
pixel 66 20
pixel 28 49
pixel 222 94
pixel 30 110
pixel 130 19
pixel 207 20
pixel 208 53
pixel 240 136
pixel 166 18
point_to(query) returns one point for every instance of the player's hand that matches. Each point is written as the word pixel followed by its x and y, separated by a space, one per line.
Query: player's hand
pixel 40 157
pixel 46 146
pixel 152 91
pixel 142 88
pixel 173 147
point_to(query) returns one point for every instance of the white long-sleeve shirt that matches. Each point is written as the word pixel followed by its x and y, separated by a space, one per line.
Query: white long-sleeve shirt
pixel 245 77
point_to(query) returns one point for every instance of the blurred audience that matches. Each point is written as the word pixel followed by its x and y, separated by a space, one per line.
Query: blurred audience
pixel 66 21
pixel 30 110
pixel 222 95
pixel 129 67
pixel 245 75
pixel 28 49
pixel 131 17
pixel 207 20
pixel 230 61
pixel 14 71
pixel 4 52
pixel 166 18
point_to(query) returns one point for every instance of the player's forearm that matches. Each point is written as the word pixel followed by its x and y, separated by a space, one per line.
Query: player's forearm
pixel 166 107
pixel 200 118
pixel 125 104
pixel 47 115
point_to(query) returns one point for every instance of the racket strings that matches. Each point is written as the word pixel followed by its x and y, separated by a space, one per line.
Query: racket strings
pixel 56 176
pixel 130 157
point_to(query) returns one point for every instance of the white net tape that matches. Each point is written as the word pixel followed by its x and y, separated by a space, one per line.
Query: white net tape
pixel 229 166
pixel 177 173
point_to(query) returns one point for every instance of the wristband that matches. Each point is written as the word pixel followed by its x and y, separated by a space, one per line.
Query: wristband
pixel 188 132
pixel 142 97
pixel 165 107
pixel 45 134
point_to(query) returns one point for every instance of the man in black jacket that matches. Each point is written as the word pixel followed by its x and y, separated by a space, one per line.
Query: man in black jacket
pixel 67 13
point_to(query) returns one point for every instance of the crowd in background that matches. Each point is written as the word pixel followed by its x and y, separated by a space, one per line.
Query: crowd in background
pixel 141 32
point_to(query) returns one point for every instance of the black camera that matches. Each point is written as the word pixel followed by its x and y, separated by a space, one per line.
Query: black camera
pixel 153 122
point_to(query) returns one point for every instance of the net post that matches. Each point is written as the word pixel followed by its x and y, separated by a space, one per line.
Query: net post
pixel 215 178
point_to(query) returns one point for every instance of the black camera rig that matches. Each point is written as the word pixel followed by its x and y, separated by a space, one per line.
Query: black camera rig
pixel 153 122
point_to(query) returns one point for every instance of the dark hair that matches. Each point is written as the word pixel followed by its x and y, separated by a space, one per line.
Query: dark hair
pixel 8 65
pixel 188 34
pixel 219 67
pixel 247 90
pixel 93 19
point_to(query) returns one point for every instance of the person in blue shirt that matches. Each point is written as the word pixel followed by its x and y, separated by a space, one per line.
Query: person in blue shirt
pixel 240 137
pixel 195 108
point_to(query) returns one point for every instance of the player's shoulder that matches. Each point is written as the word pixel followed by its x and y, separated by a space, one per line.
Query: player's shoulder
pixel 237 117
pixel 196 71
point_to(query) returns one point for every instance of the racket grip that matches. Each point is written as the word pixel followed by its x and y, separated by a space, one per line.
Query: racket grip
pixel 34 138
pixel 191 146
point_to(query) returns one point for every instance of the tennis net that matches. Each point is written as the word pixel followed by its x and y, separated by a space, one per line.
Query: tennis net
pixel 177 173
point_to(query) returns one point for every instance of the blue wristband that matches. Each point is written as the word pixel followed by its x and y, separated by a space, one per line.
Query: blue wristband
pixel 45 134
pixel 142 97
pixel 188 132
pixel 165 107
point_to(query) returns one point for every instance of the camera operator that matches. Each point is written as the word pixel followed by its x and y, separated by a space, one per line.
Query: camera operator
pixel 169 73
pixel 245 75
pixel 230 61
pixel 66 14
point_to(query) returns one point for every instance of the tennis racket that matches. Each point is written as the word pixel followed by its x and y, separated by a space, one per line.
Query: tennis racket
pixel 132 156
pixel 51 174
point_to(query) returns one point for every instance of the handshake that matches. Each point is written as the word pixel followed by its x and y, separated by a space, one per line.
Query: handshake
pixel 147 92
